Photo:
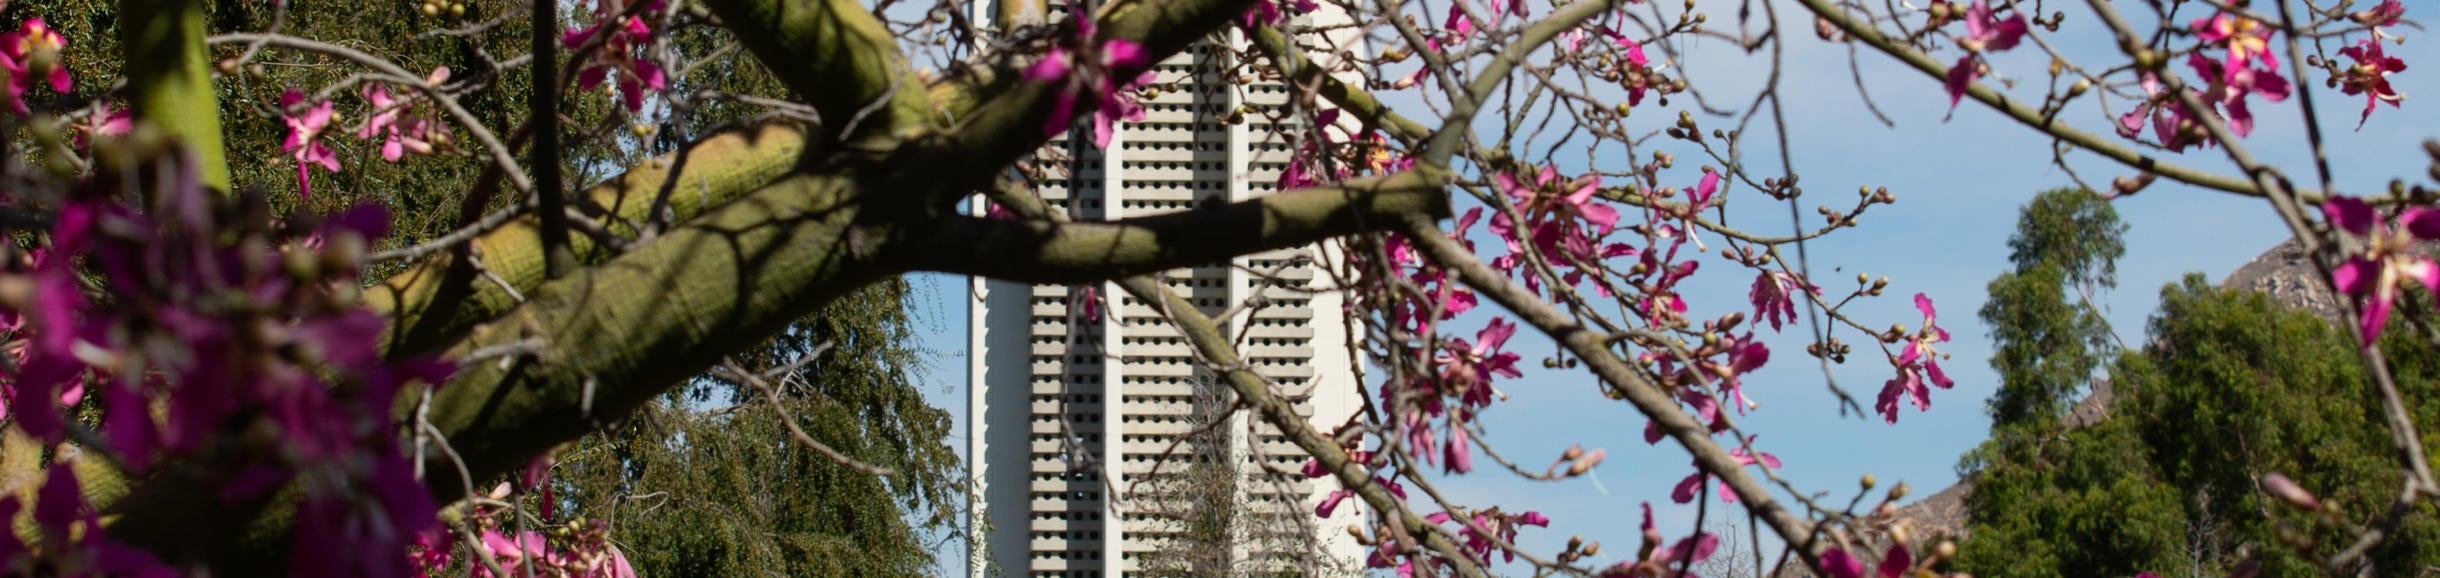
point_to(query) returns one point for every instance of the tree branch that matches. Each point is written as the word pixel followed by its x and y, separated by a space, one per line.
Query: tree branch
pixel 170 78
pixel 1040 251
pixel 435 302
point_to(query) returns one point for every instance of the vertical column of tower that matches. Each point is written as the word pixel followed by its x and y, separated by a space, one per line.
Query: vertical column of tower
pixel 1239 158
pixel 1175 161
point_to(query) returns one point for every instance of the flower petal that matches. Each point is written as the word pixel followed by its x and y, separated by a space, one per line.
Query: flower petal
pixel 2355 277
pixel 2349 213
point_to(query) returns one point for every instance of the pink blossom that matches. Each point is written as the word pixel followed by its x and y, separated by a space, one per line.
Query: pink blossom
pixel 1685 491
pixel 1466 368
pixel 1660 561
pixel 107 120
pixel 30 52
pixel 2370 76
pixel 1840 564
pixel 304 138
pixel 1985 32
pixel 1111 103
pixel 1917 364
pixel 1897 561
pixel 619 54
pixel 1563 217
pixel 402 131
pixel 1502 525
pixel 2384 15
pixel 1774 295
pixel 1268 13
pixel 2229 94
pixel 2387 262
pixel 2245 40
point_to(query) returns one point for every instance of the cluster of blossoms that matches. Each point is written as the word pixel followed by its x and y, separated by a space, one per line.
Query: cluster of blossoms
pixel 2236 63
pixel 1918 363
pixel 579 548
pixel 625 39
pixel 393 121
pixel 1085 76
pixel 1985 32
pixel 1652 561
pixel 221 322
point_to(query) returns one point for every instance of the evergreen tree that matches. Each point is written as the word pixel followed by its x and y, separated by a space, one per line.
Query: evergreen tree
pixel 2047 335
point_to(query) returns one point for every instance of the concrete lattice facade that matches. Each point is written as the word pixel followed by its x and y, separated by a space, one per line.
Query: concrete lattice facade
pixel 1067 407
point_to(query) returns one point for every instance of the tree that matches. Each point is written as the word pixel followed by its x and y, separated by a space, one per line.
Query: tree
pixel 213 368
pixel 2046 342
pixel 708 481
pixel 2232 389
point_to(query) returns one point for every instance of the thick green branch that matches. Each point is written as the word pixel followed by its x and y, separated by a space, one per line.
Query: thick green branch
pixel 169 79
pixel 435 302
pixel 598 344
pixel 1040 251
pixel 838 57
pixel 1354 100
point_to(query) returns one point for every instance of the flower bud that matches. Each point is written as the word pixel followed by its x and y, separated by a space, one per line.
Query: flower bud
pixel 1945 550
pixel 1869 481
pixel 1898 493
pixel 2077 89
pixel 2279 486
pixel 1586 463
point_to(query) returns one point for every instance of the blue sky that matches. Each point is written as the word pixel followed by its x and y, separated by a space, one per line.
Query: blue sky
pixel 1959 183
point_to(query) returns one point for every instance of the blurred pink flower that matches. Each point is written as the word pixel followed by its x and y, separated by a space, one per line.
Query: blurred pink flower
pixel 304 138
pixel 2388 260
pixel 2370 76
pixel 33 52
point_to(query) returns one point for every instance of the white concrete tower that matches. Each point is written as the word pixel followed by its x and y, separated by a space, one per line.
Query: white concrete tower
pixel 1069 412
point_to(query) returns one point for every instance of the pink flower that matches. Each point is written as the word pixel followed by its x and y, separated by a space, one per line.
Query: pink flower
pixel 1557 211
pixel 401 132
pixel 1897 561
pixel 618 54
pixel 2370 76
pixel 2245 39
pixel 1466 368
pixel 1267 12
pixel 1917 362
pixel 1664 562
pixel 1111 102
pixel 1839 564
pixel 1985 32
pixel 2387 262
pixel 107 120
pixel 1686 488
pixel 2229 89
pixel 30 52
pixel 1502 525
pixel 1774 295
pixel 2384 15
pixel 304 134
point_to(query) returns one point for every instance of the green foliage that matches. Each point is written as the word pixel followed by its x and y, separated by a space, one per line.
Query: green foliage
pixel 2076 503
pixel 2046 342
pixel 2232 387
pixel 708 482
